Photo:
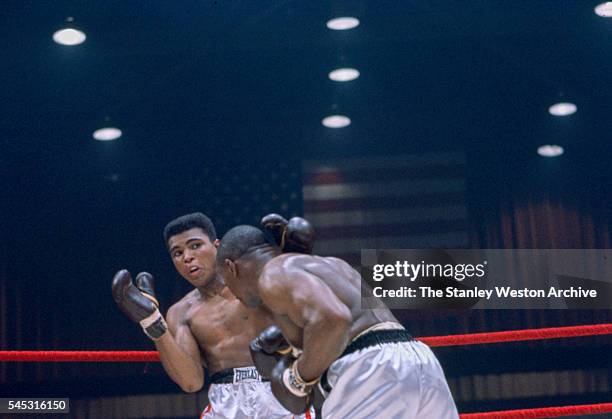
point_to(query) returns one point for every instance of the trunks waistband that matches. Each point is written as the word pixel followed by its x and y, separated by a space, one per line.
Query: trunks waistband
pixel 235 376
pixel 374 337
pixel 377 337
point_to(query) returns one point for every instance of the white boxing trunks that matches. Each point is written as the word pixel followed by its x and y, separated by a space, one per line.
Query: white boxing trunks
pixel 240 393
pixel 384 373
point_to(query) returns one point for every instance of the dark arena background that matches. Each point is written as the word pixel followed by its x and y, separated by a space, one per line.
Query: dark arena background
pixel 221 107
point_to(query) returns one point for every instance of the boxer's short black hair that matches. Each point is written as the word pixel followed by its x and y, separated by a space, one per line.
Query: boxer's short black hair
pixel 189 221
pixel 240 240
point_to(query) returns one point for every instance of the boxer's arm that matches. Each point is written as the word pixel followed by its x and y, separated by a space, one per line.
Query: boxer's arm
pixel 180 354
pixel 311 305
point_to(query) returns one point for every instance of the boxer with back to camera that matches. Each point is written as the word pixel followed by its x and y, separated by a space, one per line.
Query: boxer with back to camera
pixel 351 362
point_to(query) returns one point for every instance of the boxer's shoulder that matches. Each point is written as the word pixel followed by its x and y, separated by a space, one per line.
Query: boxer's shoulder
pixel 284 263
pixel 181 308
pixel 288 264
pixel 279 275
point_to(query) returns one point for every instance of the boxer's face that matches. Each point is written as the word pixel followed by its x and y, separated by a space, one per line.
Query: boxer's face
pixel 193 255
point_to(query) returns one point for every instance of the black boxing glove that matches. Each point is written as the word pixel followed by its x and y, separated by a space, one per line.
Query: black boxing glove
pixel 267 349
pixel 138 302
pixel 276 225
pixel 289 388
pixel 296 235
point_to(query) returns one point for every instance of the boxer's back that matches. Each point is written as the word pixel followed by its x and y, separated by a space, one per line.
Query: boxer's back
pixel 344 281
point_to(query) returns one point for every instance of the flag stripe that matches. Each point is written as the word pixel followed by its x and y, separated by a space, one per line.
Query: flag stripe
pixel 385 216
pixel 396 202
pixel 391 230
pixel 342 245
pixel 383 174
pixel 386 162
pixel 383 189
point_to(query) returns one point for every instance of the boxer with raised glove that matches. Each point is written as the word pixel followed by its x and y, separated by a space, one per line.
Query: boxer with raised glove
pixel 294 236
pixel 138 302
pixel 208 330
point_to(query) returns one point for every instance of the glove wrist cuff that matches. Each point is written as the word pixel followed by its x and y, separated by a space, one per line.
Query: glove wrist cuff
pixel 154 326
pixel 290 350
pixel 295 383
pixel 291 384
pixel 299 379
pixel 285 351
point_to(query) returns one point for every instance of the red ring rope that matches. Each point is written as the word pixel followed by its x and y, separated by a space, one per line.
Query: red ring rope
pixel 519 335
pixel 451 340
pixel 544 412
pixel 79 356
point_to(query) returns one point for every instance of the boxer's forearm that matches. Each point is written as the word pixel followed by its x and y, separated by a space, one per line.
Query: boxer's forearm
pixel 325 337
pixel 181 367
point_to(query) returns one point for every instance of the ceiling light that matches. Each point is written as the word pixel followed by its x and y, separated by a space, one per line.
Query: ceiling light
pixel 562 109
pixel 604 9
pixel 344 74
pixel 69 36
pixel 342 23
pixel 550 150
pixel 107 134
pixel 336 121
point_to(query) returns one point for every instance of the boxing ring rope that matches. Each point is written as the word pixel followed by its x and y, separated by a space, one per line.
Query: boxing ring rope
pixel 542 412
pixel 433 341
pixel 519 335
pixel 79 356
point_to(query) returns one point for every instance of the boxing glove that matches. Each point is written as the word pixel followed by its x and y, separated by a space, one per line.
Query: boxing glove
pixel 138 302
pixel 296 235
pixel 267 349
pixel 289 389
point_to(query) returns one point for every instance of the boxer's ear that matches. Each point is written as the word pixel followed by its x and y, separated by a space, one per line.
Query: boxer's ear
pixel 217 243
pixel 231 267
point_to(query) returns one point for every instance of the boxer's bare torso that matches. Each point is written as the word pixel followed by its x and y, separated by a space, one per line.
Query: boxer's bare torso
pixel 222 326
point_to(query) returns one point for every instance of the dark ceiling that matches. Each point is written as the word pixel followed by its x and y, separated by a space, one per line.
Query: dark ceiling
pixel 193 80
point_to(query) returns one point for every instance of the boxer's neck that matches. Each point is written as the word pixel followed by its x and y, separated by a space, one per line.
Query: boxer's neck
pixel 261 256
pixel 214 287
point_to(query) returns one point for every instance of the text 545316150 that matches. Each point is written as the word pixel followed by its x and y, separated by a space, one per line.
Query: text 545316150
pixel 34 405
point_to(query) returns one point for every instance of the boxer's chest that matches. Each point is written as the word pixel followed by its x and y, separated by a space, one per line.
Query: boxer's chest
pixel 213 323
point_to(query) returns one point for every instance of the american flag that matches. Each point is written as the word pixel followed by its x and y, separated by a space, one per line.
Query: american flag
pixel 410 201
